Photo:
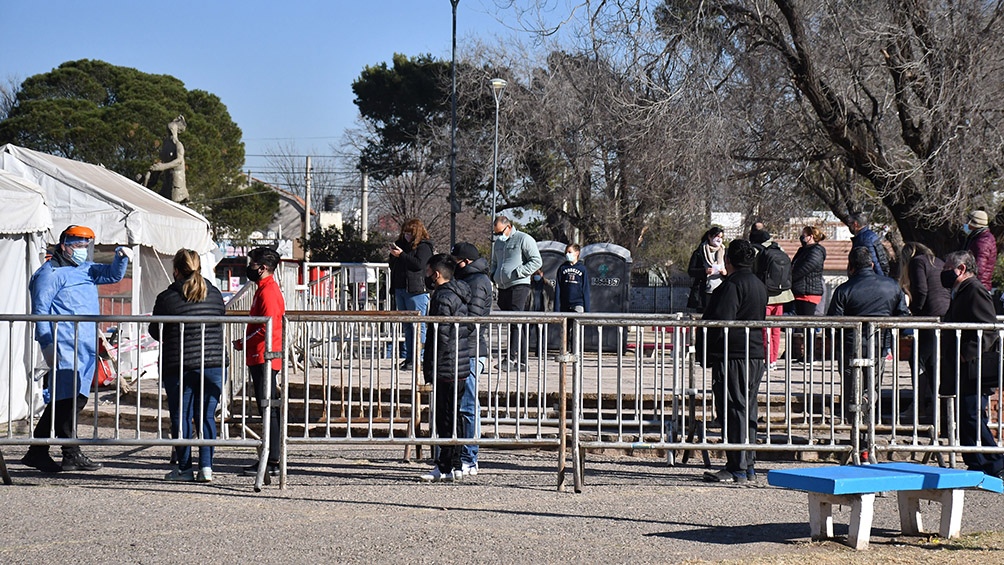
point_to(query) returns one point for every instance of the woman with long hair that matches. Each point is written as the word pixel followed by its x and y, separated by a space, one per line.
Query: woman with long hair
pixel 706 267
pixel 408 257
pixel 193 361
pixel 920 277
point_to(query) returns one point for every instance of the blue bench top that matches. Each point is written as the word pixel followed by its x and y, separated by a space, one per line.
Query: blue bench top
pixel 860 479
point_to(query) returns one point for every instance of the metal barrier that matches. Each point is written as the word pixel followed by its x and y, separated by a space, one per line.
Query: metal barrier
pixel 345 385
pixel 124 406
pixel 342 286
pixel 636 382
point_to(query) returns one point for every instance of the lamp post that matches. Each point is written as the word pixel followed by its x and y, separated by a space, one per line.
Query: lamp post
pixel 498 85
pixel 454 205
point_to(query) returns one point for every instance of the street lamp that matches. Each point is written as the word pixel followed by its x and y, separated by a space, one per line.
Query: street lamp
pixel 454 205
pixel 498 85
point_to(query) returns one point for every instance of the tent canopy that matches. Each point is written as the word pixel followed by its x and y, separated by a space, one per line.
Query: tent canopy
pixel 24 207
pixel 120 211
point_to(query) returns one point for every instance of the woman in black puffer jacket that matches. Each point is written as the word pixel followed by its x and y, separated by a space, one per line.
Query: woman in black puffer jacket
pixel 408 257
pixel 193 360
pixel 807 271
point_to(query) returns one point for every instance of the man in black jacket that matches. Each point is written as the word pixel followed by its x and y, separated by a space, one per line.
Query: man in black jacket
pixel 447 361
pixel 961 359
pixel 865 293
pixel 737 361
pixel 472 269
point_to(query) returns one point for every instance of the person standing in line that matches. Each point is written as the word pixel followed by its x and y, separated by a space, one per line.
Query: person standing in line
pixel 920 277
pixel 67 285
pixel 807 271
pixel 706 268
pixel 268 301
pixel 447 362
pixel 971 303
pixel 472 269
pixel 571 291
pixel 980 241
pixel 408 256
pixel 192 361
pixel 541 292
pixel 773 267
pixel 865 293
pixel 868 239
pixel 807 284
pixel 514 258
pixel 738 360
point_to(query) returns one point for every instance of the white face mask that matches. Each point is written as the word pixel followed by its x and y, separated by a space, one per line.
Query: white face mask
pixel 717 242
pixel 572 257
pixel 80 256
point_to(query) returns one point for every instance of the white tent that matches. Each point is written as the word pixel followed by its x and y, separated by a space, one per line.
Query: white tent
pixel 25 225
pixel 121 212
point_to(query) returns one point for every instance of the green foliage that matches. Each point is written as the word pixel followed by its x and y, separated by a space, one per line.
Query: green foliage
pixel 258 206
pixel 399 102
pixel 345 245
pixel 117 116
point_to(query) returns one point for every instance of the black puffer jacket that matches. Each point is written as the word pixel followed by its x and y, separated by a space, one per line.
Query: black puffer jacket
pixel 807 270
pixel 407 271
pixel 446 356
pixel 172 302
pixel 476 277
pixel 742 296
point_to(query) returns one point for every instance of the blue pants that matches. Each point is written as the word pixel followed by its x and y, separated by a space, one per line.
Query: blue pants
pixel 405 300
pixel 470 411
pixel 207 386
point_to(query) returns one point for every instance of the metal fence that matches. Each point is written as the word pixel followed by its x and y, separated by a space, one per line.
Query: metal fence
pixel 849 388
pixel 127 403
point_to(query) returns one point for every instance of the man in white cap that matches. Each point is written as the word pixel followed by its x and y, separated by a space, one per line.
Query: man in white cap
pixel 982 244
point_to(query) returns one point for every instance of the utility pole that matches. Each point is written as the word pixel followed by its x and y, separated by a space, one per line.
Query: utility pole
pixel 364 207
pixel 306 215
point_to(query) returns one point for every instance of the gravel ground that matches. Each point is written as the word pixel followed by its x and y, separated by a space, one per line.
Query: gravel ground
pixel 363 505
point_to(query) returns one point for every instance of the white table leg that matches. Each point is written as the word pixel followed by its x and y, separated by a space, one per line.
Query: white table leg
pixel 862 512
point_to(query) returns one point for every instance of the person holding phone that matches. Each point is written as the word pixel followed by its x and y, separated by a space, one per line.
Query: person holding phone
pixel 408 258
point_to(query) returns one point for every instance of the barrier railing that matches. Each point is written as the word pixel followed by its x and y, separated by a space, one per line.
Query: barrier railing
pixel 123 406
pixel 845 387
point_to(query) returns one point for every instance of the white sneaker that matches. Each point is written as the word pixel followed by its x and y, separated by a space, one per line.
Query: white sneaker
pixel 432 476
pixel 179 475
pixel 205 475
pixel 471 470
pixel 457 475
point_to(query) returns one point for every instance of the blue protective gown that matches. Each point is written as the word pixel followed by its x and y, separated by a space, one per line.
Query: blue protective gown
pixel 61 289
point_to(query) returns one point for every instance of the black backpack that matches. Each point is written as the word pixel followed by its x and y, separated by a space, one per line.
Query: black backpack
pixel 773 267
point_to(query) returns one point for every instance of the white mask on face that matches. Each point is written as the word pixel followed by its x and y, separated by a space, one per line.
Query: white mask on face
pixel 717 241
pixel 572 257
pixel 80 256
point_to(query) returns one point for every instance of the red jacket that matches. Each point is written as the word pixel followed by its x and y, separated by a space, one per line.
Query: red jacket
pixel 983 246
pixel 268 301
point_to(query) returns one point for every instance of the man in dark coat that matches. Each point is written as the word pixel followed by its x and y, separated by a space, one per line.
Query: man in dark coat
pixel 447 361
pixel 961 359
pixel 737 361
pixel 869 294
pixel 472 269
pixel 865 238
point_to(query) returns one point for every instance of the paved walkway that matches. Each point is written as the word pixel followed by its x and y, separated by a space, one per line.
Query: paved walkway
pixel 354 505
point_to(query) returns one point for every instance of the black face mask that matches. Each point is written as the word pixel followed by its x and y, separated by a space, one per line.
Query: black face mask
pixel 252 274
pixel 801 238
pixel 430 282
pixel 948 279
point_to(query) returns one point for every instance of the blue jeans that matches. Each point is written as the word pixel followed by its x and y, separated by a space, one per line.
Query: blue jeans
pixel 405 300
pixel 470 411
pixel 211 388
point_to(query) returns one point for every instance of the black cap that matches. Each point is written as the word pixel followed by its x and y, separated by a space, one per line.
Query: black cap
pixel 759 236
pixel 464 250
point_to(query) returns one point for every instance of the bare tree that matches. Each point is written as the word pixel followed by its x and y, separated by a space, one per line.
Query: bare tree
pixel 8 95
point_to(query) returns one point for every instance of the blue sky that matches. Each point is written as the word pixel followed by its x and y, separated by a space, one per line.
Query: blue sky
pixel 283 69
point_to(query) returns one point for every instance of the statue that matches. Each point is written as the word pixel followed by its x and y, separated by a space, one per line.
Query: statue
pixel 172 163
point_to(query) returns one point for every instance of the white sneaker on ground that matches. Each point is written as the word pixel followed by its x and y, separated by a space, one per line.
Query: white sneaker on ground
pixel 179 475
pixel 471 470
pixel 457 475
pixel 205 475
pixel 432 476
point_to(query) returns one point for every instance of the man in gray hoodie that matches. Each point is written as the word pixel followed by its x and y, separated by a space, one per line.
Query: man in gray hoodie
pixel 515 258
